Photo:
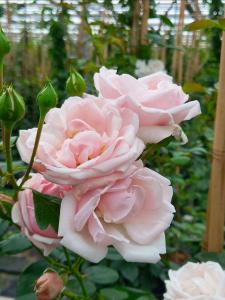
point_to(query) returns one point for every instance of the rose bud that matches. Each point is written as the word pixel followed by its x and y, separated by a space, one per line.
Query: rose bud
pixel 48 286
pixel 12 107
pixel 4 44
pixel 75 85
pixel 47 98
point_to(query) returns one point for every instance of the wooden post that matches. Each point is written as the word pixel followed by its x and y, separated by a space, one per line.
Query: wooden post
pixel 177 63
pixel 214 239
pixel 135 29
pixel 144 22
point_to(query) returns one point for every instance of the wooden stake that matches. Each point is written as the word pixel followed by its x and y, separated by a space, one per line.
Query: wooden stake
pixel 144 22
pixel 177 63
pixel 214 239
pixel 135 30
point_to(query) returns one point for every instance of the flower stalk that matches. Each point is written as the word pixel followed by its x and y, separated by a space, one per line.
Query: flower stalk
pixel 74 269
pixel 46 99
pixel 36 143
pixel 1 76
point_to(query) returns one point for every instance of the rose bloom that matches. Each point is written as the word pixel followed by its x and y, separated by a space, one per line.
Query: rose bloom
pixel 196 281
pixel 160 104
pixel 23 213
pixel 131 214
pixel 85 139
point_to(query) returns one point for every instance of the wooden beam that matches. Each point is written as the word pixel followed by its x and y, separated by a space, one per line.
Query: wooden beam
pixel 214 239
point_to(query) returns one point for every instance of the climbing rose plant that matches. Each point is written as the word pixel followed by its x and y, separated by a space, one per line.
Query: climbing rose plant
pixel 89 188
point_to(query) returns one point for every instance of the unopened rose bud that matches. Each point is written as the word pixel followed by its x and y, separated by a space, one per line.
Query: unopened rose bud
pixel 12 107
pixel 48 286
pixel 75 84
pixel 47 98
pixel 4 44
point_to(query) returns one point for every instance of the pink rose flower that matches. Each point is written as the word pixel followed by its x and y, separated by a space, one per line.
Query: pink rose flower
pixel 160 104
pixel 23 213
pixel 196 281
pixel 84 139
pixel 131 214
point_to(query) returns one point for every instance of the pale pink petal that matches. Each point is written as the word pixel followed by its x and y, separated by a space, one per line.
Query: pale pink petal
pixel 186 111
pixel 115 207
pixel 155 217
pixel 155 134
pixel 79 242
pixel 141 253
pixel 154 79
pixel 23 145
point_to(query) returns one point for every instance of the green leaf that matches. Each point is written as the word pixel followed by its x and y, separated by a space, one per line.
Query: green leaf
pixel 198 150
pixel 180 160
pixel 101 274
pixel 135 293
pixel 203 24
pixel 122 293
pixel 192 87
pixel 25 286
pixel 14 244
pixel 117 42
pixel 12 142
pixel 158 39
pixel 150 297
pixel 113 255
pixel 113 294
pixel 74 286
pixel 129 271
pixel 47 209
pixel 3 227
pixel 152 148
pixel 166 20
pixel 5 210
pixel 212 256
pixel 222 22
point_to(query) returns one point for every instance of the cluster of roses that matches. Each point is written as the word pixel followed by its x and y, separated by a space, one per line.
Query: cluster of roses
pixel 88 157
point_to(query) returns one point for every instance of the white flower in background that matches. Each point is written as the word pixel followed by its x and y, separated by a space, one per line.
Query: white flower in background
pixel 188 218
pixel 196 281
pixel 216 85
pixel 144 68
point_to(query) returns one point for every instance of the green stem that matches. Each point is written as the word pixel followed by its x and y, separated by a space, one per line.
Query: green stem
pixel 71 295
pixel 8 154
pixel 79 277
pixel 51 261
pixel 1 75
pixel 79 260
pixel 7 148
pixel 68 258
pixel 74 269
pixel 1 173
pixel 1 87
pixel 36 143
pixel 81 283
pixel 56 263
